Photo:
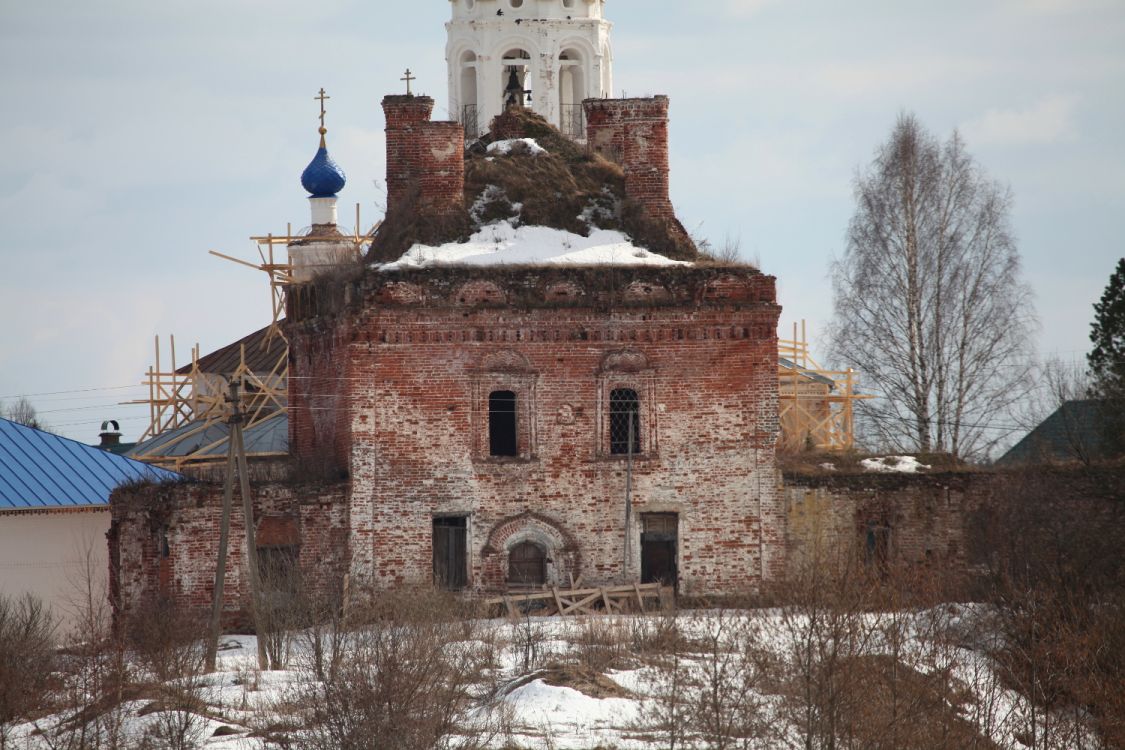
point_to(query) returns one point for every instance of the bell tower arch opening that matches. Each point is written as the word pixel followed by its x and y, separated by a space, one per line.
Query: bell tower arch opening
pixel 516 68
pixel 468 96
pixel 573 90
pixel 558 50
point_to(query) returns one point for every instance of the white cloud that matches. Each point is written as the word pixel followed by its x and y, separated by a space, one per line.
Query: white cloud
pixel 1047 121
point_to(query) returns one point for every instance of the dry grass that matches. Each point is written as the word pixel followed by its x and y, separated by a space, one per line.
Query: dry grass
pixel 563 189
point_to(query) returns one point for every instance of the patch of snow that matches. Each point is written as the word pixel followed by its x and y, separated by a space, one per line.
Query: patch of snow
pixel 828 466
pixel 504 244
pixel 893 464
pixel 504 148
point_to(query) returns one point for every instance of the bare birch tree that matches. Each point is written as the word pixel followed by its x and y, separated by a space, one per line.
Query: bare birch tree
pixel 929 304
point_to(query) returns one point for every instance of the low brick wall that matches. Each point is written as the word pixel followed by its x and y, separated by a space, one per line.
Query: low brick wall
pixel 164 540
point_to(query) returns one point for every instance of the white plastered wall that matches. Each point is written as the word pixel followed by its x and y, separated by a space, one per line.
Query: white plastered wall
pixel 54 556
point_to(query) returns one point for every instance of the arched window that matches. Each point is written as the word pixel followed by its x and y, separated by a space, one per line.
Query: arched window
pixel 624 422
pixel 502 438
pixel 527 565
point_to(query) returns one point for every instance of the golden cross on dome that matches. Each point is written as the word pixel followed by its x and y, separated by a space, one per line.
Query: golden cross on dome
pixel 408 79
pixel 322 97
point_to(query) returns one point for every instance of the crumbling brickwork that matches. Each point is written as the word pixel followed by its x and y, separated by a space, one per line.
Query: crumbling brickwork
pixel 164 542
pixel 634 133
pixel 911 520
pixel 425 160
pixel 417 355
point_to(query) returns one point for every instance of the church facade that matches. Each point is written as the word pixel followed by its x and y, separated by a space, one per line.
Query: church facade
pixel 486 428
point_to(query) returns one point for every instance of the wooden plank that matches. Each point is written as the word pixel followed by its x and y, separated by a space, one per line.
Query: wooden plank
pixel 558 600
pixel 583 605
pixel 640 599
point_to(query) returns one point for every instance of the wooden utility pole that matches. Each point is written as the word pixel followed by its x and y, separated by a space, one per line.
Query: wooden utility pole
pixel 251 546
pixel 224 534
pixel 236 461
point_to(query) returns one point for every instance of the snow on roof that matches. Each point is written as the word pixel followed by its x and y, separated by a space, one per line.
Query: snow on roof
pixel 503 148
pixel 504 244
pixel 894 464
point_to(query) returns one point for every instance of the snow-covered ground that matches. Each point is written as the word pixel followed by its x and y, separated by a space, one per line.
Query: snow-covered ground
pixel 504 243
pixel 542 713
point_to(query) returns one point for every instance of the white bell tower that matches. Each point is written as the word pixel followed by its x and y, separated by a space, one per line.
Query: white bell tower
pixel 559 50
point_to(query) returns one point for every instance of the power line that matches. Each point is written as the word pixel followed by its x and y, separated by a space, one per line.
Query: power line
pixel 80 390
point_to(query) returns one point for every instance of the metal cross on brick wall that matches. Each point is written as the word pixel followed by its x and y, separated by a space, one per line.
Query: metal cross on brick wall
pixel 408 78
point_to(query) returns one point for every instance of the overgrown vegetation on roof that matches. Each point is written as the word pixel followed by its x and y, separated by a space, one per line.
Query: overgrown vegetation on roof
pixel 565 188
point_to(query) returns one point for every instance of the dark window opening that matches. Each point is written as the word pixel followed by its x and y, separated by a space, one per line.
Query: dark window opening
pixel 450 552
pixel 502 438
pixel 624 422
pixel 877 545
pixel 659 538
pixel 527 565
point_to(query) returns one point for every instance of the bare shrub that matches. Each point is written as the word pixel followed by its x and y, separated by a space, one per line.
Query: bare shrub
pixel 27 660
pixel 410 672
pixel 600 643
pixel 725 694
pixel 168 643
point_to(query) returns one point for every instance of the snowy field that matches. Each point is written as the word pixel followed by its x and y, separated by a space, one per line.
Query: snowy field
pixel 655 681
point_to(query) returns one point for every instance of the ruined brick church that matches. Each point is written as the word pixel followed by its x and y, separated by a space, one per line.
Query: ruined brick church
pixel 530 380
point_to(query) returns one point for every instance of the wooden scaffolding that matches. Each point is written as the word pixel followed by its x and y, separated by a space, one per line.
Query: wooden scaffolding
pixel 816 405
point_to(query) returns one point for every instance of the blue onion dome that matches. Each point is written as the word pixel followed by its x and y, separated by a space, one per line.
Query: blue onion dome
pixel 323 177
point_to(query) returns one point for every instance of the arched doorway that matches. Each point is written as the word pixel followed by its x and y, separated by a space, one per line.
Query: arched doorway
pixel 527 565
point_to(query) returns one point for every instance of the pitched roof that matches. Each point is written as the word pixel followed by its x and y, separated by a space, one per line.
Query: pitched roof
pixel 260 356
pixel 40 470
pixel 1076 431
pixel 269 436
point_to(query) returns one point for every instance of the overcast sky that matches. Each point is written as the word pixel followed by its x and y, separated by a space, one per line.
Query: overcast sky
pixel 138 135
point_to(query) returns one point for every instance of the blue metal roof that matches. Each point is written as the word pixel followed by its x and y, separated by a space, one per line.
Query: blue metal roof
pixel 41 470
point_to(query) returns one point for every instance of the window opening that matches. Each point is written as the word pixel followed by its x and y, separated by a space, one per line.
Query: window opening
pixel 527 565
pixel 877 545
pixel 502 438
pixel 624 418
pixel 450 536
pixel 659 540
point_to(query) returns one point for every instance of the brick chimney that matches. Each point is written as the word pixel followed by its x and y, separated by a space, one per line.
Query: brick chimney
pixel 425 160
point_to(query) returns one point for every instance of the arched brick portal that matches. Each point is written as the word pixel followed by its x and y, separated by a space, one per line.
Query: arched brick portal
pixel 564 559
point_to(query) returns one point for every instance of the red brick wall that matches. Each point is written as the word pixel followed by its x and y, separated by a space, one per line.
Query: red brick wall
pixel 634 133
pixel 184 520
pixel 424 349
pixel 425 160
pixel 319 408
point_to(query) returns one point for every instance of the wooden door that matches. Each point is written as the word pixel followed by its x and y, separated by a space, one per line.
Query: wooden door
pixel 450 552
pixel 527 565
